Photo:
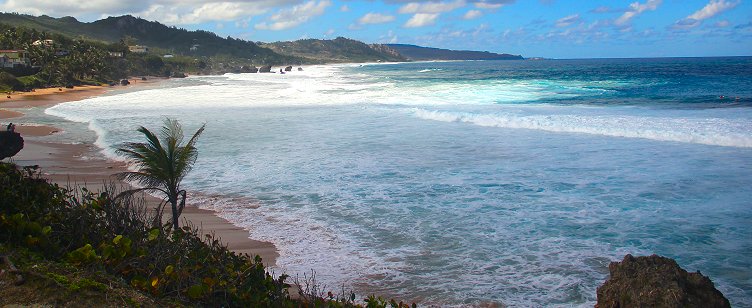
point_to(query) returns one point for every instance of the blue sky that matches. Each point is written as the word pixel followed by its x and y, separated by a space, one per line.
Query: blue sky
pixel 532 28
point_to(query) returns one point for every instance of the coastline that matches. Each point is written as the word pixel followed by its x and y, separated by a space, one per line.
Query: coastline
pixel 83 165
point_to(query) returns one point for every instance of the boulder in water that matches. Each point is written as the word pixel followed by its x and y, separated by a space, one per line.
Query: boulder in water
pixel 288 69
pixel 656 281
pixel 265 69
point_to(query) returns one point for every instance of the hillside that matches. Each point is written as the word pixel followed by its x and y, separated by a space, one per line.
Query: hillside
pixel 418 53
pixel 133 30
pixel 337 50
pixel 139 31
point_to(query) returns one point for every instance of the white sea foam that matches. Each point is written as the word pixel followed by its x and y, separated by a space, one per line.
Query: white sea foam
pixel 710 131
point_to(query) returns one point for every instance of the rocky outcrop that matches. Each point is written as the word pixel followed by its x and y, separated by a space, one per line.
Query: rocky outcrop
pixel 288 69
pixel 656 281
pixel 300 69
pixel 265 69
pixel 10 144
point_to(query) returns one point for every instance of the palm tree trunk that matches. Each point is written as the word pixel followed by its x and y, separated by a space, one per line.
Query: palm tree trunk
pixel 175 214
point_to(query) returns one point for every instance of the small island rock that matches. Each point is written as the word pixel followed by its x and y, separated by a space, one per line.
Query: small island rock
pixel 656 281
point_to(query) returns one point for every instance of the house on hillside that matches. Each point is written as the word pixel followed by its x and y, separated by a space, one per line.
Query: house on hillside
pixel 14 58
pixel 138 49
pixel 115 54
pixel 45 43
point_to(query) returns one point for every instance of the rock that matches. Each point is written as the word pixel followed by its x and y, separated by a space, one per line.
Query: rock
pixel 300 69
pixel 265 69
pixel 124 82
pixel 656 281
pixel 10 144
pixel 178 75
pixel 288 69
pixel 254 69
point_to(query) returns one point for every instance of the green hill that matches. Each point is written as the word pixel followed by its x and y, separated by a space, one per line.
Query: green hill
pixel 418 53
pixel 133 30
pixel 337 50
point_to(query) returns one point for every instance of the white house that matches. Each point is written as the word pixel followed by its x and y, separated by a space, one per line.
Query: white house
pixel 14 58
pixel 45 43
pixel 138 49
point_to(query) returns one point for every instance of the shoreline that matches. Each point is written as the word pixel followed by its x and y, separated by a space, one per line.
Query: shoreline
pixel 84 165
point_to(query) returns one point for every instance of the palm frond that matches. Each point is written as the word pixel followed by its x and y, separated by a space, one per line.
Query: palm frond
pixel 162 162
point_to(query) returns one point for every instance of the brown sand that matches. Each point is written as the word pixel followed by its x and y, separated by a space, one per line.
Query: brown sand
pixel 49 96
pixel 83 165
pixel 36 130
pixel 8 114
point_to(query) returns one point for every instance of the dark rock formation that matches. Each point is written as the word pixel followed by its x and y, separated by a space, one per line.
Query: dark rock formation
pixel 288 69
pixel 10 144
pixel 265 69
pixel 656 281
pixel 300 69
pixel 178 75
pixel 249 69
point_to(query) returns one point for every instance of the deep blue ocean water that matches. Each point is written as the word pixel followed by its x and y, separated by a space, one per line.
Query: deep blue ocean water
pixel 465 183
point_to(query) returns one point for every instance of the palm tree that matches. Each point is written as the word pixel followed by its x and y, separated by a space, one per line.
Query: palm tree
pixel 162 164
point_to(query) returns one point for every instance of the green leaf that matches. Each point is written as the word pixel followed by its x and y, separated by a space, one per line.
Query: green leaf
pixel 169 269
pixel 195 291
pixel 117 239
pixel 153 234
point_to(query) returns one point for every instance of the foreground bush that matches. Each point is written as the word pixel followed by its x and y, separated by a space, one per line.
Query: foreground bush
pixel 97 233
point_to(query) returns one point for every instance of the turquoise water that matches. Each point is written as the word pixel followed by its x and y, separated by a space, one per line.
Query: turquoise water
pixel 464 183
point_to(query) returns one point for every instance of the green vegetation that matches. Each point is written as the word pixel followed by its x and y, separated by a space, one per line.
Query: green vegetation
pixel 418 53
pixel 69 62
pixel 98 52
pixel 78 248
pixel 162 164
pixel 337 50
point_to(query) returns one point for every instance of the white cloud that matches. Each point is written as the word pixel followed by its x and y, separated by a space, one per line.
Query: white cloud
pixel 293 17
pixel 722 24
pixel 70 7
pixel 375 18
pixel 635 9
pixel 431 7
pixel 472 14
pixel 567 21
pixel 713 8
pixel 165 11
pixel 488 6
pixel 344 8
pixel 421 20
pixel 389 38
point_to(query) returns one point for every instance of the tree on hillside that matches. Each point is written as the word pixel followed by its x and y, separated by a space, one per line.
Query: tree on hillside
pixel 162 164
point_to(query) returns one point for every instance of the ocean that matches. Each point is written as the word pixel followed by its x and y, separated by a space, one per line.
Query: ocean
pixel 469 183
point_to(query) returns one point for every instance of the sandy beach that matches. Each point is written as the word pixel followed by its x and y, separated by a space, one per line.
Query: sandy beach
pixel 83 165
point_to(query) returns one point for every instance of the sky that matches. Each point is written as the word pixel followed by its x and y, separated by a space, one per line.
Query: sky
pixel 531 28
